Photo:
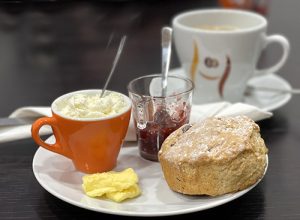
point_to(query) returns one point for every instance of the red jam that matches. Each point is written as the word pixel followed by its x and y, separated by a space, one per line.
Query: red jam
pixel 152 136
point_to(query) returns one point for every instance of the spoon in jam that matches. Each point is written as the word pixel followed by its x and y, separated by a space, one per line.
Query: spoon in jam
pixel 166 42
pixel 121 45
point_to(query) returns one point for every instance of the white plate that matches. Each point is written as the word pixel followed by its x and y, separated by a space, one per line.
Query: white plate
pixel 57 175
pixel 265 100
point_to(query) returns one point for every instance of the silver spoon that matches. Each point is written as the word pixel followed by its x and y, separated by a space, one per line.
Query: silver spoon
pixel 122 42
pixel 166 42
pixel 251 88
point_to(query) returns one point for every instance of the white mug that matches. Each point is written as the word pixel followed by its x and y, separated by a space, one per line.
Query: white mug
pixel 219 49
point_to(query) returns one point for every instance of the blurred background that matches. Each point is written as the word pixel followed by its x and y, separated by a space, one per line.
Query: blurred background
pixel 54 47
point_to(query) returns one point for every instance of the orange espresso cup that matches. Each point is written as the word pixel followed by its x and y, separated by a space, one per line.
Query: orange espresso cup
pixel 93 144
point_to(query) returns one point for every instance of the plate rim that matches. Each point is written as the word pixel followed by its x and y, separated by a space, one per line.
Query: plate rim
pixel 286 98
pixel 234 196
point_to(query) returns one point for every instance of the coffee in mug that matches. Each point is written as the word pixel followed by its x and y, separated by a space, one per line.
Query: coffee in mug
pixel 217 27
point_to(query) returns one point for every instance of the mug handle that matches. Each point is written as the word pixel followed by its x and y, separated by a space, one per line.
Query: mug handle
pixel 35 128
pixel 286 50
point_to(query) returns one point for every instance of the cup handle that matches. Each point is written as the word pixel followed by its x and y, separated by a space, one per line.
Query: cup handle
pixel 35 128
pixel 286 50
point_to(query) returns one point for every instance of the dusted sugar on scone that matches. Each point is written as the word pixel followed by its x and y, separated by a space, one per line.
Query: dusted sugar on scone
pixel 216 156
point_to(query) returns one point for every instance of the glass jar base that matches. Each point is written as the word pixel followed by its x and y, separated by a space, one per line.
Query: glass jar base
pixel 148 156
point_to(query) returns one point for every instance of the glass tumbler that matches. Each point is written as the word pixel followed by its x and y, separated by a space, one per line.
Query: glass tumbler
pixel 157 116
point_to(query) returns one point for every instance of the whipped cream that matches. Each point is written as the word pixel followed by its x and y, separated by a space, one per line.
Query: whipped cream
pixel 85 105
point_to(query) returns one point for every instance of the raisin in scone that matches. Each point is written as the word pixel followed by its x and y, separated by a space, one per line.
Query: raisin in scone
pixel 216 156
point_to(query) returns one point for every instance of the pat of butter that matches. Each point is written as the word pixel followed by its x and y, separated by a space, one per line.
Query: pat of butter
pixel 113 185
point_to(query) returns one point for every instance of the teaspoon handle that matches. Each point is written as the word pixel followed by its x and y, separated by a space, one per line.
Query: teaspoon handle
pixel 121 45
pixel 271 89
pixel 166 43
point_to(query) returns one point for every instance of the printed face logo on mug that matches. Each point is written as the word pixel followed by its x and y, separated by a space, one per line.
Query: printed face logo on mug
pixel 219 49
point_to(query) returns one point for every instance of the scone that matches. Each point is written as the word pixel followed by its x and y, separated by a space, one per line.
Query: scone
pixel 216 156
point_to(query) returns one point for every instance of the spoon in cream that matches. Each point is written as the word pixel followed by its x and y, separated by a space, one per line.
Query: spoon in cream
pixel 121 45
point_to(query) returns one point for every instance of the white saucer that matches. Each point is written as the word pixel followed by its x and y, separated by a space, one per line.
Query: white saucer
pixel 265 100
pixel 58 176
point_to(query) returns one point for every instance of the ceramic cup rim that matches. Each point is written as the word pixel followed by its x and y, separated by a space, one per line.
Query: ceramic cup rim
pixel 176 22
pixel 90 91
